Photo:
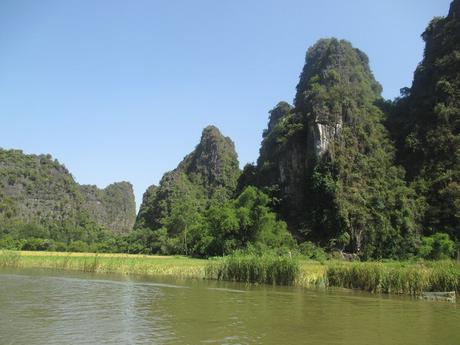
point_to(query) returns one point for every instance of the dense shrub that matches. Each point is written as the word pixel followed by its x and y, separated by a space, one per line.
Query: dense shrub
pixel 38 244
pixel 312 251
pixel 437 247
pixel 78 246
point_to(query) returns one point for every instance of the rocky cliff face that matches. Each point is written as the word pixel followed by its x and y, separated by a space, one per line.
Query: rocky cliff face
pixel 38 189
pixel 329 96
pixel 283 160
pixel 210 172
pixel 113 207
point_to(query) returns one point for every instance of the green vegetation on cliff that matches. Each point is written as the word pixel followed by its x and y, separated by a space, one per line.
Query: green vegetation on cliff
pixel 425 123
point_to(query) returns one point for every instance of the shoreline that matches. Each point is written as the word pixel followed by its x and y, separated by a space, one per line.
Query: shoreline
pixel 396 278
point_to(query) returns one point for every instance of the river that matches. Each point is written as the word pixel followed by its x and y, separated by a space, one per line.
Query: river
pixel 44 307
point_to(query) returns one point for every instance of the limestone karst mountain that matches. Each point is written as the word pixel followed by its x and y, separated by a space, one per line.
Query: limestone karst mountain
pixel 328 158
pixel 35 189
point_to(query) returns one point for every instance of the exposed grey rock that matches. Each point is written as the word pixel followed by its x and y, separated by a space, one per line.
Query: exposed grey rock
pixel 112 207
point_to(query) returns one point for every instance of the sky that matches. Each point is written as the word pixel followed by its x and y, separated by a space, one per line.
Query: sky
pixel 121 90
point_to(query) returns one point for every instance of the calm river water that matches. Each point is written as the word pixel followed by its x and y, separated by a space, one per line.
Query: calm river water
pixel 43 307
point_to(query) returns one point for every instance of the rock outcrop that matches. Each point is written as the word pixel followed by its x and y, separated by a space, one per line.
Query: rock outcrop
pixel 113 207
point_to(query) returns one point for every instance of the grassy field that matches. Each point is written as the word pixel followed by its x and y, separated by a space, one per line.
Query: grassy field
pixel 378 277
pixel 106 263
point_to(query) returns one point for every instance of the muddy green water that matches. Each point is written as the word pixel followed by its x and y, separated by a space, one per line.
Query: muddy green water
pixel 43 307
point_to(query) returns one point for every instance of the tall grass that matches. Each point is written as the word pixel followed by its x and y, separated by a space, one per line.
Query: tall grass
pixel 312 274
pixel 9 258
pixel 395 278
pixel 107 263
pixel 252 268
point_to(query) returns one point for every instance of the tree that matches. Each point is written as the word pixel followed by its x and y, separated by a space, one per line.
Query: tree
pixel 184 215
pixel 437 247
pixel 242 222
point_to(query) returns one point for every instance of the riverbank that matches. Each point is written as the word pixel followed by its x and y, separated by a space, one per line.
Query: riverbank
pixel 411 278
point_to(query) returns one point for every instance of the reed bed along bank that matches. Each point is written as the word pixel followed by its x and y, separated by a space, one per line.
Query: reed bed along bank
pixel 181 267
pixel 252 268
pixel 411 278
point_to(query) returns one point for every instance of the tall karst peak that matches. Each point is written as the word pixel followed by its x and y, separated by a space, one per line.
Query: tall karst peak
pixel 330 154
pixel 336 88
pixel 214 161
pixel 335 82
pixel 209 173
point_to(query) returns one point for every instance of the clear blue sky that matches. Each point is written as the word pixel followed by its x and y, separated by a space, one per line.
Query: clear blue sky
pixel 120 90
